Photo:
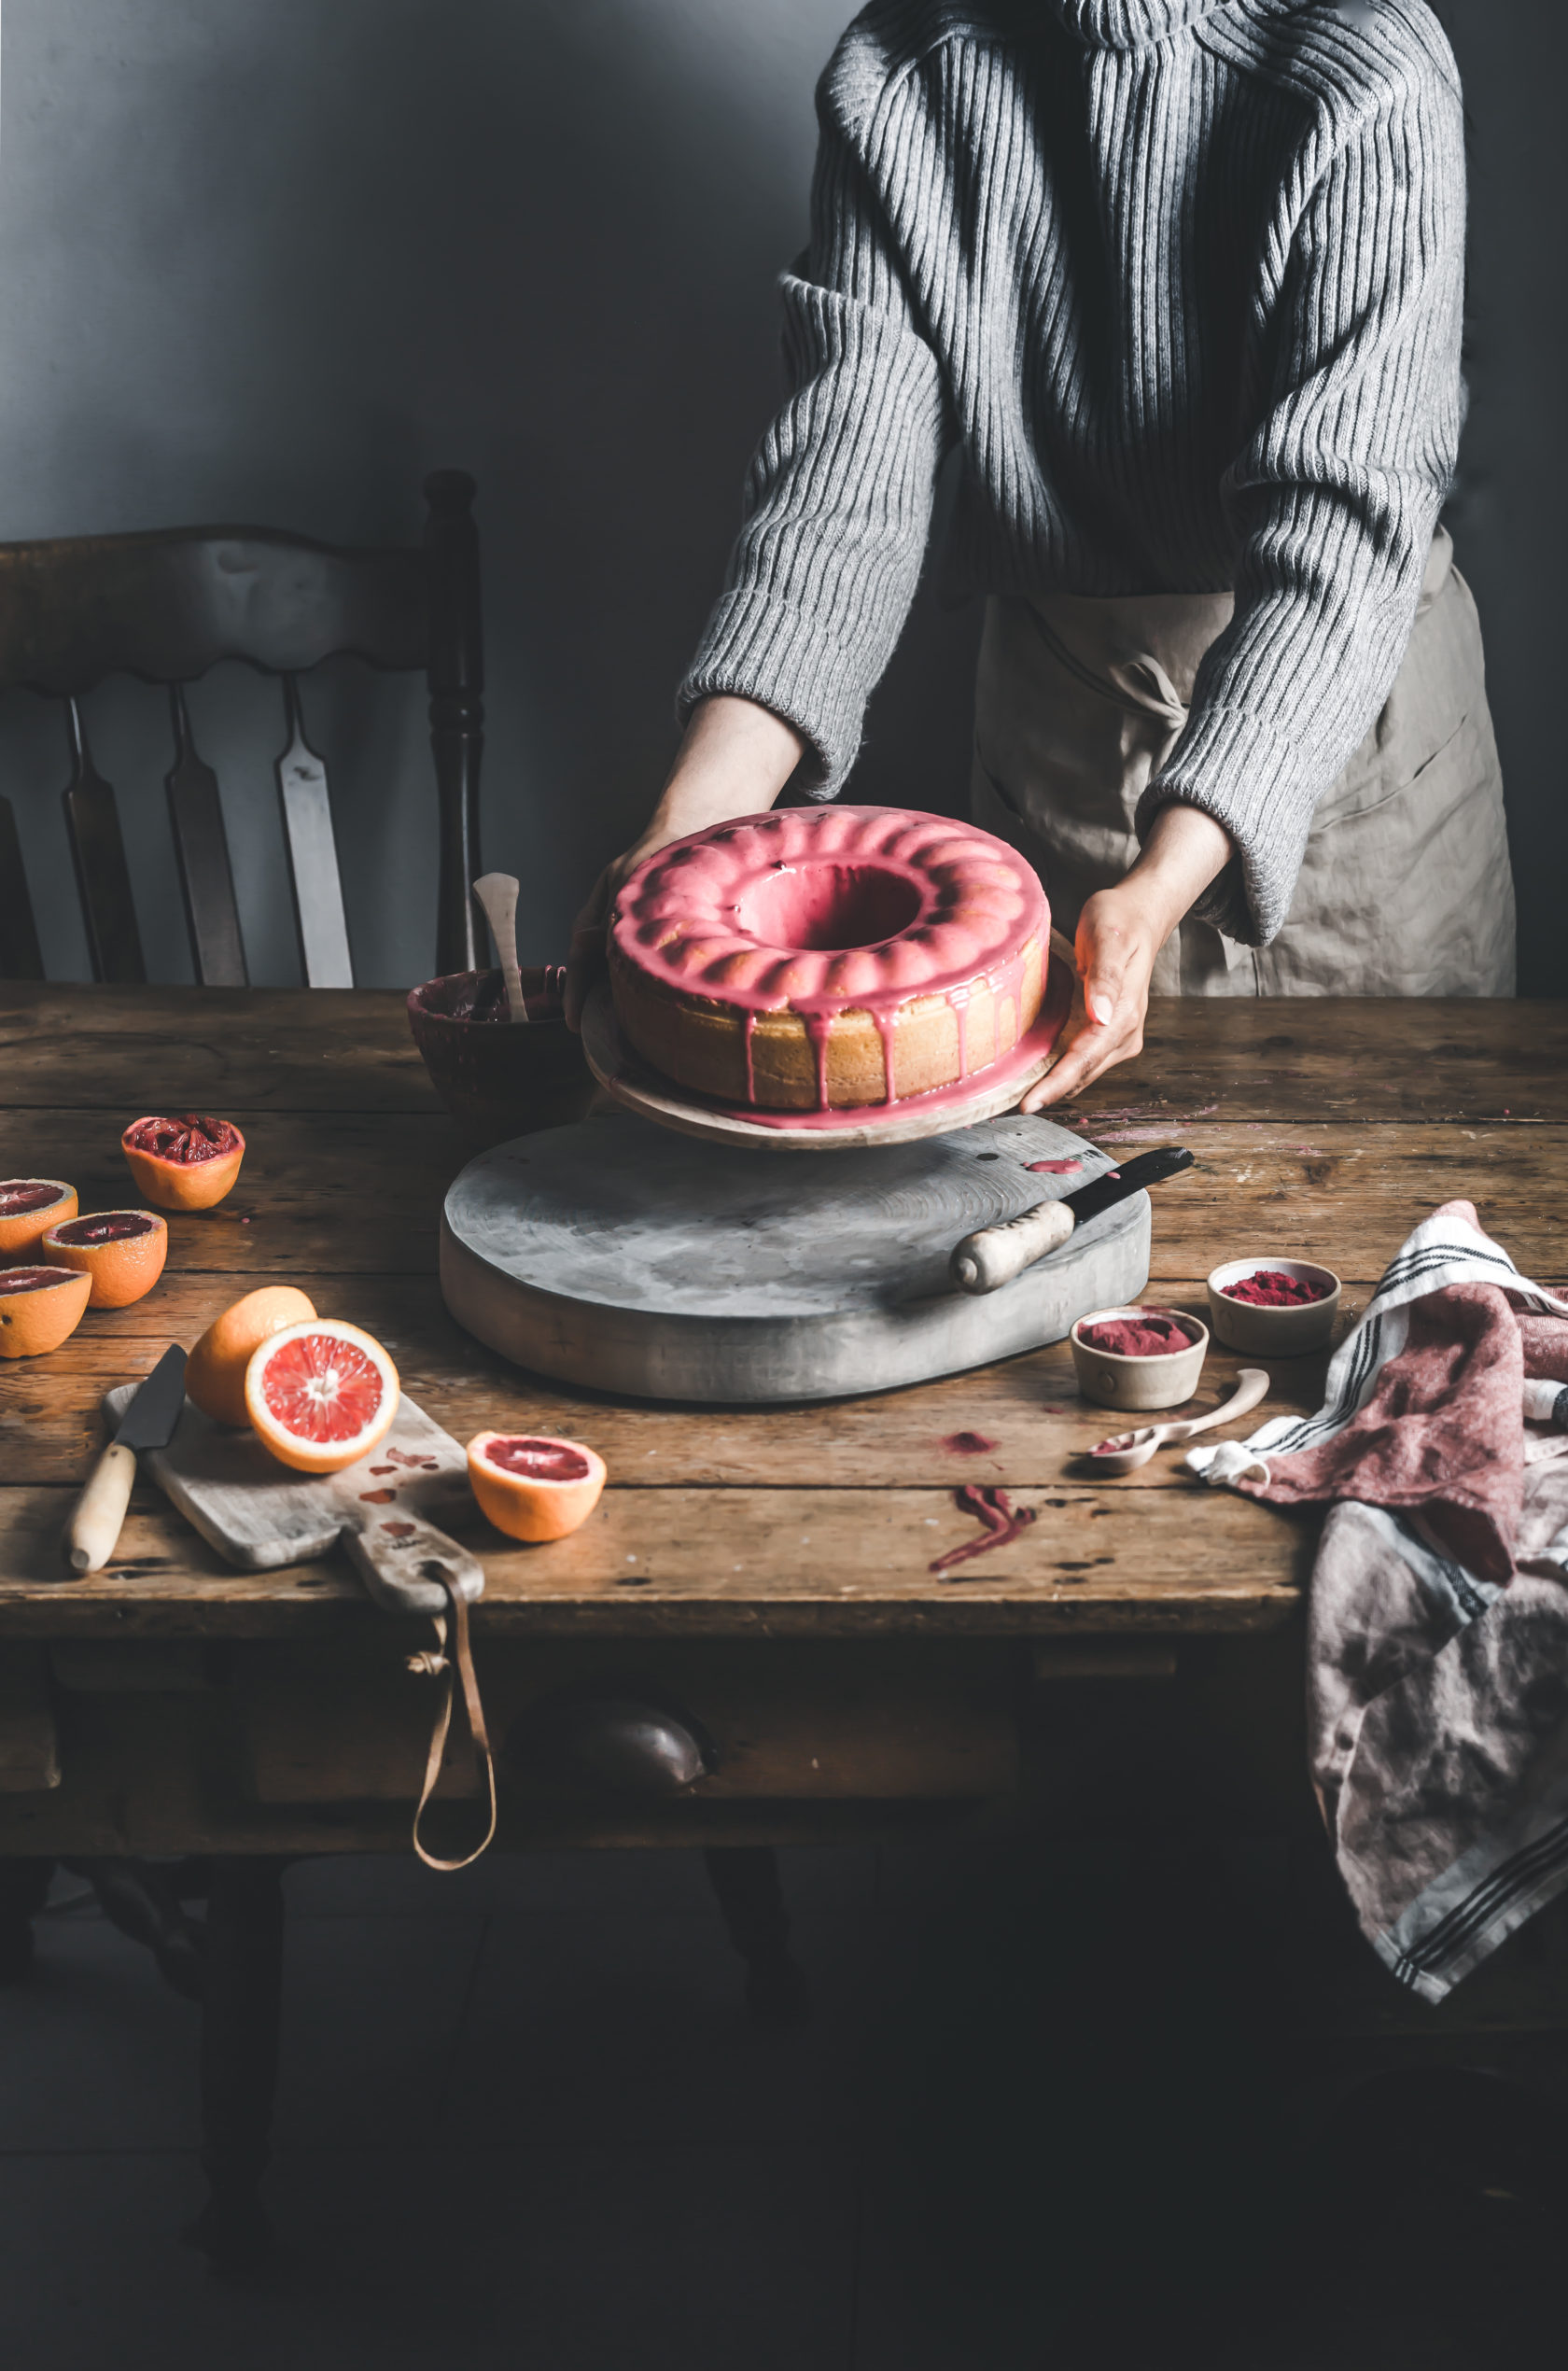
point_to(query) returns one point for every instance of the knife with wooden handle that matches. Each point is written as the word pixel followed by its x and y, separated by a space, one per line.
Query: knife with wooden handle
pixel 93 1529
pixel 995 1254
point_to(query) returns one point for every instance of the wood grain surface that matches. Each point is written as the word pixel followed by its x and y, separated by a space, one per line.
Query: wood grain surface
pixel 349 1191
pixel 1224 1057
pixel 1320 1128
pixel 1020 1421
pixel 748 1562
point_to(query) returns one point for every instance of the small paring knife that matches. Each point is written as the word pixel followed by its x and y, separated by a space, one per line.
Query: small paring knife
pixel 995 1254
pixel 93 1530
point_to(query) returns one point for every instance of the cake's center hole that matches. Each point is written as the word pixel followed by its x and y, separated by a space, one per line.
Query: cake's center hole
pixel 826 909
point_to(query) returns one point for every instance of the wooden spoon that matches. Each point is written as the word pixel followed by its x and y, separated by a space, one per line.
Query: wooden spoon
pixel 498 893
pixel 1124 1452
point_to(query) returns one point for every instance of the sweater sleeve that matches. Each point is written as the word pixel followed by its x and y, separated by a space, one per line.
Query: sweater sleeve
pixel 838 497
pixel 1336 497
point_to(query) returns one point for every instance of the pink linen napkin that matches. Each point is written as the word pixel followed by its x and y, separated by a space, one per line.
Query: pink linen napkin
pixel 1437 1634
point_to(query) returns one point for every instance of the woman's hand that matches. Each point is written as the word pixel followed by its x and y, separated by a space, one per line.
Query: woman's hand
pixel 734 759
pixel 1120 932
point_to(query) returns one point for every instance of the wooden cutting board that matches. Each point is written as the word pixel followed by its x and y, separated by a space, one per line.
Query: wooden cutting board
pixel 619 1255
pixel 387 1508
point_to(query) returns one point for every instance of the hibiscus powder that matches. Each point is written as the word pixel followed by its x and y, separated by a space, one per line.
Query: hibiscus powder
pixel 1271 1288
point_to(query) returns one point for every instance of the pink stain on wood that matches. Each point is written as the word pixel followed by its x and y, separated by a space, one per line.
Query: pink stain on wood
pixel 377 1497
pixel 968 1444
pixel 1003 1522
pixel 398 1531
pixel 1054 1169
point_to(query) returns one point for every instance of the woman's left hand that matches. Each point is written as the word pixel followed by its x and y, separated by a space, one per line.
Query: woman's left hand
pixel 1120 932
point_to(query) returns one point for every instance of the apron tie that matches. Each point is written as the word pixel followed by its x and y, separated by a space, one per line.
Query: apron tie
pixel 1137 682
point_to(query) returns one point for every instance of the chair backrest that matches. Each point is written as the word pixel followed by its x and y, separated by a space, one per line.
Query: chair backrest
pixel 168 605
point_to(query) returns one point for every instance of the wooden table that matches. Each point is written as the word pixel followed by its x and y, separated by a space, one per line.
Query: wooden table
pixel 767 1571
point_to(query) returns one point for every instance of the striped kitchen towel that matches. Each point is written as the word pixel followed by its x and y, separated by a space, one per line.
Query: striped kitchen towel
pixel 1437 1634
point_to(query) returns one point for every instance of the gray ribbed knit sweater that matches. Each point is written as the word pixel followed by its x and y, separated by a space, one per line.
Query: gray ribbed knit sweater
pixel 1182 279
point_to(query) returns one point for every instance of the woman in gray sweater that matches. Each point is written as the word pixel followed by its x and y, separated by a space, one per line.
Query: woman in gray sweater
pixel 1182 281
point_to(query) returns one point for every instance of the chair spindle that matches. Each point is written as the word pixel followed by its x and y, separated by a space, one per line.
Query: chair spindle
pixel 313 879
pixel 20 956
pixel 202 846
pixel 113 943
pixel 457 682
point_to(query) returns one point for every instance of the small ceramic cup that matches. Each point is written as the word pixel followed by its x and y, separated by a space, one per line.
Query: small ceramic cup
pixel 1113 1381
pixel 1272 1333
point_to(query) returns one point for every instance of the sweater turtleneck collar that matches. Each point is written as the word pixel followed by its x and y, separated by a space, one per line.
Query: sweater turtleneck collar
pixel 1129 24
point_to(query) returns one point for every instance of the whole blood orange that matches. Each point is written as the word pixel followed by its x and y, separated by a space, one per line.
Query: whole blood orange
pixel 214 1372
pixel 38 1307
pixel 320 1393
pixel 27 1206
pixel 123 1252
pixel 187 1163
pixel 533 1487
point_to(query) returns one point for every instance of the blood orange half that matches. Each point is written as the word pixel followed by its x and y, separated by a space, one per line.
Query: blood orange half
pixel 27 1206
pixel 185 1163
pixel 123 1252
pixel 532 1486
pixel 38 1307
pixel 320 1393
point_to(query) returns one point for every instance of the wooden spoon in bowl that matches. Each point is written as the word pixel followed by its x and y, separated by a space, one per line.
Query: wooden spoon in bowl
pixel 498 894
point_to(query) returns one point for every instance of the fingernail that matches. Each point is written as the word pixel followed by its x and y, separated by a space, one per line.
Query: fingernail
pixel 1100 1009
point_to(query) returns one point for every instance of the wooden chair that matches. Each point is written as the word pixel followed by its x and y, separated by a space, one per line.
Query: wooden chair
pixel 167 606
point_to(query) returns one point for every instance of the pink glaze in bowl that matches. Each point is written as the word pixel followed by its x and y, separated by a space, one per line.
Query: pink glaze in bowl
pixel 498 1078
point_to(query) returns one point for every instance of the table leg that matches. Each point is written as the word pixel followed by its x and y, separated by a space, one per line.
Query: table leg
pixel 745 1878
pixel 23 1889
pixel 240 2008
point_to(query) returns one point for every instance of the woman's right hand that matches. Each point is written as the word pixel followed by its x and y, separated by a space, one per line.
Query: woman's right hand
pixel 733 760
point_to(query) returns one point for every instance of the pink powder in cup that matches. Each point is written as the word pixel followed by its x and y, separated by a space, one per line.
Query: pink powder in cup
pixel 1271 1288
pixel 1146 1336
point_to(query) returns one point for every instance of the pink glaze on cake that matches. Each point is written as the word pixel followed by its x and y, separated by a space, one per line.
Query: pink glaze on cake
pixel 826 910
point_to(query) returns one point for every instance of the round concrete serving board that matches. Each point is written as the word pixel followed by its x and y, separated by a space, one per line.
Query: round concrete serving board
pixel 620 1254
pixel 639 1087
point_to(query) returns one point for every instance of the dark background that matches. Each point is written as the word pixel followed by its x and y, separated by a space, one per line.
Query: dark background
pixel 270 261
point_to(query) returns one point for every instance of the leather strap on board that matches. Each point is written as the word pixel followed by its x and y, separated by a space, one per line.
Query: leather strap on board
pixel 450 1666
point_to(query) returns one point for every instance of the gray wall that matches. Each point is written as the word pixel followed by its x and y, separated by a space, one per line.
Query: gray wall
pixel 272 260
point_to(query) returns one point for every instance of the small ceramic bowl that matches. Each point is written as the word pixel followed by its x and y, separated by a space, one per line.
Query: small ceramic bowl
pixel 498 1078
pixel 1272 1333
pixel 1113 1381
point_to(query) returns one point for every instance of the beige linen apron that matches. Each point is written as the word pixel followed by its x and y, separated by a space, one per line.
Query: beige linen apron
pixel 1405 888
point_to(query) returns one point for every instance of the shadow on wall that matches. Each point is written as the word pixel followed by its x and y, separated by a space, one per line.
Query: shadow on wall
pixel 265 261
